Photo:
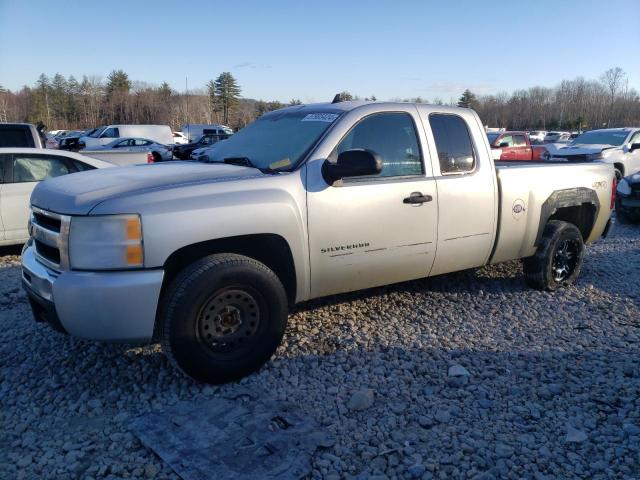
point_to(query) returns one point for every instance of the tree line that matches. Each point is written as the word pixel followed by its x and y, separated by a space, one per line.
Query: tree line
pixel 61 102
pixel 572 105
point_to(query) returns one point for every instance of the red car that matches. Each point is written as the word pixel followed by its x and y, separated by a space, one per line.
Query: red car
pixel 515 146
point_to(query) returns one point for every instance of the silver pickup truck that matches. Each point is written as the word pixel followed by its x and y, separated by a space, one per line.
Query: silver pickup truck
pixel 307 201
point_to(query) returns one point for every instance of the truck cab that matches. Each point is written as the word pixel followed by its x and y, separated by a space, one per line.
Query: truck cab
pixel 515 146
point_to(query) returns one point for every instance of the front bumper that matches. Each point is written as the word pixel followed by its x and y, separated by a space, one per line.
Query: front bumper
pixel 110 306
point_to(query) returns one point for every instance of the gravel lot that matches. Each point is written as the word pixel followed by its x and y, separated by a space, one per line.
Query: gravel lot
pixel 468 375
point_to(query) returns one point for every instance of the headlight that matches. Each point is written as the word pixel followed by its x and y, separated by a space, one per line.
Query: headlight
pixel 106 242
pixel 623 187
pixel 595 156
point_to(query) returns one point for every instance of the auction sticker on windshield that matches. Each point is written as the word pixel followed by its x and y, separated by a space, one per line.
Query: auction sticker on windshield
pixel 320 117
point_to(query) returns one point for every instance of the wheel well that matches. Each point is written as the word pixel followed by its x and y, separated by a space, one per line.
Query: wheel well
pixel 582 216
pixel 270 249
pixel 578 206
pixel 620 167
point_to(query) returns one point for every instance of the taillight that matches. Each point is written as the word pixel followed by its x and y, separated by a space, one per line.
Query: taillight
pixel 149 157
pixel 614 186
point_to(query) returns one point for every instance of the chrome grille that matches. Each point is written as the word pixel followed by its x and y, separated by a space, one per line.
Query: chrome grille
pixel 50 234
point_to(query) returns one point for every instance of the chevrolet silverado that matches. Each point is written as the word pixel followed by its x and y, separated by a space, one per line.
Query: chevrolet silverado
pixel 305 202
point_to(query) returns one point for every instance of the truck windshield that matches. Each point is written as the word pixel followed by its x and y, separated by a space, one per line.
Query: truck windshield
pixel 277 140
pixel 601 137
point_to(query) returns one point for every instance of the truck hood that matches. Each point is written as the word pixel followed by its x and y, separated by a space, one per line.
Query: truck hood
pixel 79 193
pixel 582 149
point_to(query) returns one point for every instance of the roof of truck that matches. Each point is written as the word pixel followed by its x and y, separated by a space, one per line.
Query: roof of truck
pixel 340 107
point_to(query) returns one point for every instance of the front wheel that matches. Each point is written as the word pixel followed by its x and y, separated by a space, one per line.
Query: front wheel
pixel 223 317
pixel 558 259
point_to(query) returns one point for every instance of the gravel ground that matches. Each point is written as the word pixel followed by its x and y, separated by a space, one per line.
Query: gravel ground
pixel 469 375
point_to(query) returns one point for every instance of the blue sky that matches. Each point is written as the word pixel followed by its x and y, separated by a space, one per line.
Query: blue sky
pixel 311 50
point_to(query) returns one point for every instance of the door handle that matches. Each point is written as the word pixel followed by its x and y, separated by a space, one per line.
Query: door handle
pixel 417 197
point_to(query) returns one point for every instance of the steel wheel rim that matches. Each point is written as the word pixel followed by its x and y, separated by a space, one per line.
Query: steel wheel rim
pixel 228 319
pixel 565 259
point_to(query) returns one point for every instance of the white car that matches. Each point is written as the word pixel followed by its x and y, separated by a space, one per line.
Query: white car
pixel 179 138
pixel 103 135
pixel 619 146
pixel 555 137
pixel 160 152
pixel 20 171
pixel 537 136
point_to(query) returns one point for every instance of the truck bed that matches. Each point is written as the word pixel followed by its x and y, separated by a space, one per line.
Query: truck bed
pixel 531 192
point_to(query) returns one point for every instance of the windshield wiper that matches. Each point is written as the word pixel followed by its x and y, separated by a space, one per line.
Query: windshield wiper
pixel 244 162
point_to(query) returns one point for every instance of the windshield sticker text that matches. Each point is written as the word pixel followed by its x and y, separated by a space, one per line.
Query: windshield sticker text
pixel 320 117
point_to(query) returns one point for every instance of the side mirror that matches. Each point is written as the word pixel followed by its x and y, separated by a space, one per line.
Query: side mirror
pixel 634 146
pixel 352 163
pixel 504 145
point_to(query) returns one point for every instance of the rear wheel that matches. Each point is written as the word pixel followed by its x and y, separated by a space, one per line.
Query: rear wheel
pixel 558 259
pixel 156 157
pixel 223 317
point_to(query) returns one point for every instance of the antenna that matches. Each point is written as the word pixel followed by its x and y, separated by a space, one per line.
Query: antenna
pixel 337 98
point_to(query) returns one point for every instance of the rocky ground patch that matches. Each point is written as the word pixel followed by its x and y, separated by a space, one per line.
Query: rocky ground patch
pixel 470 375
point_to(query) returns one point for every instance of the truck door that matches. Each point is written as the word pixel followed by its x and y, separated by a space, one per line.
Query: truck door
pixel 506 145
pixel 367 231
pixel 467 192
pixel 521 149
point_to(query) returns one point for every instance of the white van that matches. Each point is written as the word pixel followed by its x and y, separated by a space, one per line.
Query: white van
pixel 193 131
pixel 158 133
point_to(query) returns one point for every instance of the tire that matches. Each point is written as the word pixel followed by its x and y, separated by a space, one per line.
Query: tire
pixel 156 157
pixel 621 217
pixel 558 259
pixel 223 317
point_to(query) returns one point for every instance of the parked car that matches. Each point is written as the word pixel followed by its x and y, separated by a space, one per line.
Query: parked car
pixel 158 133
pixel 20 171
pixel 553 137
pixel 71 140
pixel 515 146
pixel 195 131
pixel 305 202
pixel 183 152
pixel 537 136
pixel 179 138
pixel 20 135
pixel 628 199
pixel 618 146
pixel 159 152
pixel 65 138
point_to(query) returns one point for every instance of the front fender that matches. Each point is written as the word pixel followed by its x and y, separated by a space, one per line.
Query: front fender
pixel 176 218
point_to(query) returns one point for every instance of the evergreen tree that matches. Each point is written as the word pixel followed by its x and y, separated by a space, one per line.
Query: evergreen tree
pixel 468 99
pixel 165 91
pixel 118 82
pixel 295 101
pixel 227 92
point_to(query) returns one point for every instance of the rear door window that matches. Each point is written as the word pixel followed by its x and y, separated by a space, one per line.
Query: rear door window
pixel 35 168
pixel 453 143
pixel 519 141
pixel 15 137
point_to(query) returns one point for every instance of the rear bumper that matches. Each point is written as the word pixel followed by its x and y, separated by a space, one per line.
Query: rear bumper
pixel 110 306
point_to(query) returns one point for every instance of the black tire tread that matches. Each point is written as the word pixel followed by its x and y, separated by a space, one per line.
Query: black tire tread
pixel 534 267
pixel 182 281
